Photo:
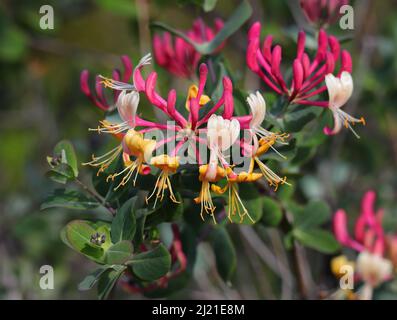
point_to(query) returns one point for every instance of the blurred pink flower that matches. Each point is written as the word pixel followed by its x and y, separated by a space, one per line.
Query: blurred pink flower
pixel 322 12
pixel 372 265
pixel 179 57
pixel 368 231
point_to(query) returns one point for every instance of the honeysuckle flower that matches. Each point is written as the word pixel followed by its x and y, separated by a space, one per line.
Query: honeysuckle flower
pixel 257 105
pixel 217 129
pixel 307 74
pixel 179 57
pixel 235 204
pixel 373 270
pixel 372 264
pixel 167 165
pixel 339 92
pixel 322 13
pixel 263 145
pixel 98 97
pixel 127 104
pixel 208 173
pixel 135 145
pixel 221 134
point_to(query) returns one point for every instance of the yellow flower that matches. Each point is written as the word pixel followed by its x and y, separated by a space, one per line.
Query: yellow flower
pixel 141 149
pixel 208 173
pixel 167 165
pixel 272 178
pixel 337 263
pixel 192 93
pixel 235 204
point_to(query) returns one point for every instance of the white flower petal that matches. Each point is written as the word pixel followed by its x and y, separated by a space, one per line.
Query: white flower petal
pixel 373 268
pixel 127 105
pixel 257 105
pixel 339 89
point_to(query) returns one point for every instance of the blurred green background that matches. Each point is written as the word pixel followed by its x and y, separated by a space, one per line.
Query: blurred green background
pixel 41 103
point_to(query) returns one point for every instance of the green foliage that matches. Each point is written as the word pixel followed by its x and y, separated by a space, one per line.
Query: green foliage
pixel 272 212
pixel 70 199
pixel 124 223
pixel 317 239
pixel 151 265
pixel 225 253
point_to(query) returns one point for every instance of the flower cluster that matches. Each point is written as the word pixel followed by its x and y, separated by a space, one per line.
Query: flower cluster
pixel 216 130
pixel 322 12
pixel 373 264
pixel 308 75
pixel 179 57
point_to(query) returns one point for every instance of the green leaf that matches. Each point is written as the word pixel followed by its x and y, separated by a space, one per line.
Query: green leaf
pixel 108 280
pixel 225 253
pixel 140 227
pixel 64 149
pixel 314 214
pixel 209 5
pixel 70 199
pixel 61 173
pixel 14 43
pixel 272 213
pixel 124 223
pixel 78 234
pixel 238 18
pixel 119 252
pixel 317 239
pixel 151 265
pixel 90 280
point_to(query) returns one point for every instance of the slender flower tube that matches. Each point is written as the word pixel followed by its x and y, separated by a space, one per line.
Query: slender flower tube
pixel 179 57
pixel 322 13
pixel 307 74
pixel 339 91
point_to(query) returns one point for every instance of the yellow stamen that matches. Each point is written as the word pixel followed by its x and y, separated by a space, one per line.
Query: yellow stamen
pixel 192 93
pixel 130 167
pixel 167 164
pixel 235 204
pixel 204 197
pixel 114 129
pixel 272 178
pixel 104 161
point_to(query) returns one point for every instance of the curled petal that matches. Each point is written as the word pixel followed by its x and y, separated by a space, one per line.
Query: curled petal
pixel 252 49
pixel 255 31
pixel 346 62
pixel 228 96
pixel 335 47
pixel 300 44
pixel 267 47
pixel 298 74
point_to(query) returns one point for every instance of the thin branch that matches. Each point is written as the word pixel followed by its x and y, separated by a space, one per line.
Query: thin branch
pixel 100 200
